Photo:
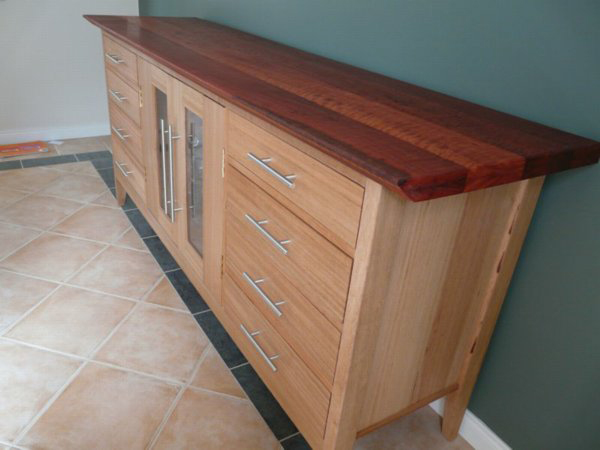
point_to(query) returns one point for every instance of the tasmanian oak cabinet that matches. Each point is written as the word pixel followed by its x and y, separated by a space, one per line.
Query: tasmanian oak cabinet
pixel 354 234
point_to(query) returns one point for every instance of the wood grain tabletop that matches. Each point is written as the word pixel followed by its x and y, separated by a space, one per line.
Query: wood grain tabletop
pixel 410 139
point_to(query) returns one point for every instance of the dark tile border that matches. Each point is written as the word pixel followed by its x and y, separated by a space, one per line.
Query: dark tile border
pixel 9 165
pixel 187 291
pixel 278 421
pixel 52 160
pixel 88 156
pixel 162 256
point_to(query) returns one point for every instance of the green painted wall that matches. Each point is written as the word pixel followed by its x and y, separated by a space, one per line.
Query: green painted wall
pixel 539 59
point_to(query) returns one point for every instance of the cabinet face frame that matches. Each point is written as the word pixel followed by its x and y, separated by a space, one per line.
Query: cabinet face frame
pixel 152 79
pixel 208 263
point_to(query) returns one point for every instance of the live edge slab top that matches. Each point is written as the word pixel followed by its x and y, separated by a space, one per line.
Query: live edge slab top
pixel 411 140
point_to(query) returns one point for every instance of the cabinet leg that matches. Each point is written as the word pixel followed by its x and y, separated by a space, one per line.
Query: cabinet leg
pixel 454 411
pixel 121 193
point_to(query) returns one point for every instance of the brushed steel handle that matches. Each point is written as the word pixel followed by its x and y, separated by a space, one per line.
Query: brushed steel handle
pixel 117 96
pixel 123 171
pixel 172 208
pixel 259 226
pixel 164 164
pixel 255 284
pixel 288 180
pixel 119 134
pixel 268 359
pixel 114 58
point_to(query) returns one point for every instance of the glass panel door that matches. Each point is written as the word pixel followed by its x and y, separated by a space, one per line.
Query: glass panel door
pixel 195 179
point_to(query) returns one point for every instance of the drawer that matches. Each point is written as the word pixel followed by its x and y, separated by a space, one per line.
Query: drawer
pixel 317 268
pixel 284 307
pixel 328 197
pixel 123 96
pixel 126 167
pixel 124 130
pixel 121 60
pixel 298 391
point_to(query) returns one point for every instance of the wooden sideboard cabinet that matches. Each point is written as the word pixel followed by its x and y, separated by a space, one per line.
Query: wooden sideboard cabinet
pixel 354 234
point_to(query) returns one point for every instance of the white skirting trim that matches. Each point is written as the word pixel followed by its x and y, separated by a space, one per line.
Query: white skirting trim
pixel 474 431
pixel 49 134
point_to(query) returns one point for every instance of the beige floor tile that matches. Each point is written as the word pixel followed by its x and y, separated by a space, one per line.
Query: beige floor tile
pixel 417 431
pixel 103 408
pixel 213 374
pixel 18 294
pixel 90 171
pixel 165 294
pixel 29 180
pixel 95 222
pixel 29 377
pixel 76 186
pixel 72 320
pixel 81 145
pixel 157 341
pixel 39 211
pixel 132 239
pixel 106 199
pixel 75 167
pixel 13 236
pixel 8 197
pixel 120 271
pixel 230 423
pixel 52 256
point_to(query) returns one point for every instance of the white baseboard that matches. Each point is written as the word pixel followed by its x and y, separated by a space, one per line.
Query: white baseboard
pixel 49 134
pixel 474 431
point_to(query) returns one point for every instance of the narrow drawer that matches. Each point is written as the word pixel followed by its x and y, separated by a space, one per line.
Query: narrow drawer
pixel 327 196
pixel 123 96
pixel 124 130
pixel 298 391
pixel 126 168
pixel 304 328
pixel 121 60
pixel 316 267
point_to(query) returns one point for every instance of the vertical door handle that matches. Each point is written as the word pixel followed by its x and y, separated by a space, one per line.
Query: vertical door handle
pixel 164 164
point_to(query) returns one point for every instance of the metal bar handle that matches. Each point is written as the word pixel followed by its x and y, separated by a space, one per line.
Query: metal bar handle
pixel 164 164
pixel 265 297
pixel 119 134
pixel 117 95
pixel 114 58
pixel 262 162
pixel 173 210
pixel 268 359
pixel 259 226
pixel 123 171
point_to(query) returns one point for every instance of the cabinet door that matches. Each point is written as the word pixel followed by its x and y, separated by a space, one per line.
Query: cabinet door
pixel 160 93
pixel 200 234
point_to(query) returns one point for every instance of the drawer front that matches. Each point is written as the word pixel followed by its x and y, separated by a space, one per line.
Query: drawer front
pixel 124 130
pixel 284 307
pixel 328 197
pixel 123 96
pixel 317 268
pixel 291 382
pixel 121 60
pixel 126 167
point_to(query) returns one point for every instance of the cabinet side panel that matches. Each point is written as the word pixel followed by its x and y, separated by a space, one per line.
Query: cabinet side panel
pixel 422 245
pixel 436 289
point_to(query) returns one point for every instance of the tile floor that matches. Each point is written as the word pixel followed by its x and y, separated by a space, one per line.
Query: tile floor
pixel 104 343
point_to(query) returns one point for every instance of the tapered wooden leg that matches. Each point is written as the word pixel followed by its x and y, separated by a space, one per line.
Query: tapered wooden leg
pixel 516 229
pixel 121 193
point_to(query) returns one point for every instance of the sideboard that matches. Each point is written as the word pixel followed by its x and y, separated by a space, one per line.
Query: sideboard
pixel 354 234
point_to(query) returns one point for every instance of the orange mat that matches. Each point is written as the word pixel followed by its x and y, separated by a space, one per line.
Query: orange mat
pixel 23 148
